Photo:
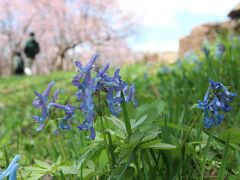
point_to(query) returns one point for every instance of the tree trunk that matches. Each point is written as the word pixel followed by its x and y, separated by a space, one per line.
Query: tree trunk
pixel 59 61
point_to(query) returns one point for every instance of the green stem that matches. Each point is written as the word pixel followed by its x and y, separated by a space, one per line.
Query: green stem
pixel 138 168
pixel 60 139
pixel 221 175
pixel 125 117
pixel 6 156
pixel 111 149
pixel 106 143
pixel 189 130
pixel 129 130
pixel 155 161
pixel 185 139
pixel 205 154
pixel 100 114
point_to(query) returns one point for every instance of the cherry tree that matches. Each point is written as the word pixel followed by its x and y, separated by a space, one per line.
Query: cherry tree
pixel 62 27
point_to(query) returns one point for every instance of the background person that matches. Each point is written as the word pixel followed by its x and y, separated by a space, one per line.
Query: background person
pixel 31 49
pixel 18 63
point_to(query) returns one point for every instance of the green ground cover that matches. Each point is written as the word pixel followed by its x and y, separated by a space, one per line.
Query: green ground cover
pixel 163 143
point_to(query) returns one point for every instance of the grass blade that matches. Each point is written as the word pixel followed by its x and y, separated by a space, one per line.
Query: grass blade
pixel 125 116
pixel 6 156
pixel 111 149
pixel 224 162
pixel 205 155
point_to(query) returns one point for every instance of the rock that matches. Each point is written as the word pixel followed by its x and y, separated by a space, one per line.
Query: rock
pixel 235 12
pixel 161 57
pixel 209 32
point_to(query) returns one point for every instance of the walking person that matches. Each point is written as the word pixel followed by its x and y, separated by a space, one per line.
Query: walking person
pixel 31 49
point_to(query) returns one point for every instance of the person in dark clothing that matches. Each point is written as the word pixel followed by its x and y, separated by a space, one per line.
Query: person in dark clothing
pixel 31 49
pixel 18 63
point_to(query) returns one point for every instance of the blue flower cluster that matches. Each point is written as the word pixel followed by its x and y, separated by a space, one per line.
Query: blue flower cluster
pixel 41 101
pixel 90 82
pixel 220 50
pixel 11 171
pixel 206 51
pixel 217 99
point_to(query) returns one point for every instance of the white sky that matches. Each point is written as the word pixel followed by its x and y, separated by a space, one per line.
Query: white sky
pixel 177 16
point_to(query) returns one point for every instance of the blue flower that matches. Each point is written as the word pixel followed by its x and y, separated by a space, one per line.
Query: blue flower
pixel 220 49
pixel 89 65
pixel 69 112
pixel 191 57
pixel 99 80
pixel 164 70
pixel 41 101
pixel 87 102
pixel 90 82
pixel 213 119
pixel 114 82
pixel 11 171
pixel 217 99
pixel 76 80
pixel 215 85
pixel 103 70
pixel 206 51
pixel 88 125
pixel 83 70
pixel 113 103
pixel 129 94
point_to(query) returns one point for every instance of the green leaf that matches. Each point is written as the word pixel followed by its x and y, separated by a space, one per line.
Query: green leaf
pixel 42 164
pixel 103 159
pixel 118 133
pixel 34 176
pixel 160 107
pixel 135 137
pixel 234 135
pixel 172 125
pixel 157 144
pixel 193 107
pixel 118 123
pixel 35 169
pixel 128 173
pixel 88 173
pixel 90 152
pixel 69 170
pixel 59 160
pixel 150 135
pixel 139 121
pixel 90 164
pixel 152 110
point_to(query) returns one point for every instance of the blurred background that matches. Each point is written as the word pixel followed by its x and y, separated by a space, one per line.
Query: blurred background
pixel 121 31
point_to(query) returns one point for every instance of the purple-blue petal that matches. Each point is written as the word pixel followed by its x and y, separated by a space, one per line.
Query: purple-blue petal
pixel 36 118
pixel 91 62
pixel 55 96
pixel 92 133
pixel 78 64
pixel 103 69
pixel 83 126
pixel 41 126
pixel 48 90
